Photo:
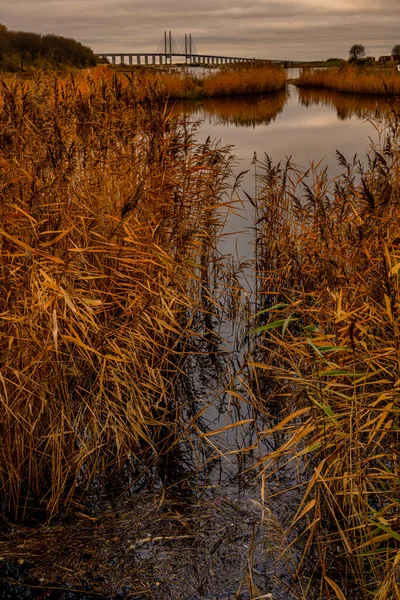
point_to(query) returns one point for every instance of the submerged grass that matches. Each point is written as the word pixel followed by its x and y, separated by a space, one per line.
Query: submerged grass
pixel 107 216
pixel 328 359
pixel 353 79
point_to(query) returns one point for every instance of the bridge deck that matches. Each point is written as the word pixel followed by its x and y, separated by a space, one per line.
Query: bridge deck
pixel 191 57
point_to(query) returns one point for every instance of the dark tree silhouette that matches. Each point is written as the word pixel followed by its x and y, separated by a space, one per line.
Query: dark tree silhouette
pixel 396 50
pixel 4 42
pixel 356 53
pixel 26 47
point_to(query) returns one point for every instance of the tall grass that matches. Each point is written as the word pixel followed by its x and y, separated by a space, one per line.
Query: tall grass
pixel 107 216
pixel 352 79
pixel 254 79
pixel 227 81
pixel 328 362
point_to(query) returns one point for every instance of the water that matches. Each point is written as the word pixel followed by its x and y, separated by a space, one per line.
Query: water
pixel 308 126
pixel 304 124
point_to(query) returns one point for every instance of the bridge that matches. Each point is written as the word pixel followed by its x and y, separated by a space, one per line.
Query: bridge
pixel 167 56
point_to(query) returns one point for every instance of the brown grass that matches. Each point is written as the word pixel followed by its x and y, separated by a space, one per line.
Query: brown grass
pixel 328 362
pixel 228 81
pixel 352 79
pixel 107 216
pixel 254 79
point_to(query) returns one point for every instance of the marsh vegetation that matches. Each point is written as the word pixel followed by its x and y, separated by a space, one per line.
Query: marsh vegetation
pixel 108 219
pixel 229 80
pixel 116 309
pixel 327 358
pixel 353 79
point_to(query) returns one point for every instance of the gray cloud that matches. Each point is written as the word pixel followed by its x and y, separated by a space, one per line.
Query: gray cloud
pixel 299 29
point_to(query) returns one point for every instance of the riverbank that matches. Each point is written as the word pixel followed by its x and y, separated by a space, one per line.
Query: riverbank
pixel 179 84
pixel 353 80
pixel 234 80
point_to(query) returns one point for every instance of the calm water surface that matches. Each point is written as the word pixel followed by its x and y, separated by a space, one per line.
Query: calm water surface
pixel 306 125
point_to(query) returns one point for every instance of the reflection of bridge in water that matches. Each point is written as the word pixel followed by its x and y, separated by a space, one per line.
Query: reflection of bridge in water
pixel 189 56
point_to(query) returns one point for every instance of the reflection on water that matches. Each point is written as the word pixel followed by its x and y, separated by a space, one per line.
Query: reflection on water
pixel 242 111
pixel 346 105
pixel 255 110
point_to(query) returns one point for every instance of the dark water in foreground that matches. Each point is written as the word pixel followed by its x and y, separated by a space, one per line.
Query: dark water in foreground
pixel 223 538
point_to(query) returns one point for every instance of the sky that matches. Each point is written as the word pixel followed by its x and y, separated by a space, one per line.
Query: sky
pixel 274 29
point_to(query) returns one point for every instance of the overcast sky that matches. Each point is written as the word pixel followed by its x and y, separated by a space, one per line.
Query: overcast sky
pixel 296 29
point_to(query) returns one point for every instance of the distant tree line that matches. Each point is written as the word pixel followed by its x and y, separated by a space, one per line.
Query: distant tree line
pixel 19 49
pixel 357 53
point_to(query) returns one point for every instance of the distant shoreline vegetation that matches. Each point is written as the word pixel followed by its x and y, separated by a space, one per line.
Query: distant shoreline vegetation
pixel 230 80
pixel 378 80
pixel 24 51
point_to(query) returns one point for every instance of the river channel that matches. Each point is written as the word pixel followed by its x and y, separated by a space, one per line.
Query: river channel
pixel 306 126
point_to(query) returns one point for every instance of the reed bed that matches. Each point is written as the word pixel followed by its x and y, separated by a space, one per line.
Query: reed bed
pixel 108 217
pixel 228 81
pixel 232 80
pixel 173 84
pixel 352 79
pixel 246 79
pixel 328 363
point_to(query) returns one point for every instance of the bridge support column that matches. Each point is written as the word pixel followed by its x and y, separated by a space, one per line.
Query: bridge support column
pixel 160 59
pixel 146 59
pixel 154 59
pixel 122 59
pixel 113 60
pixel 138 60
pixel 130 60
